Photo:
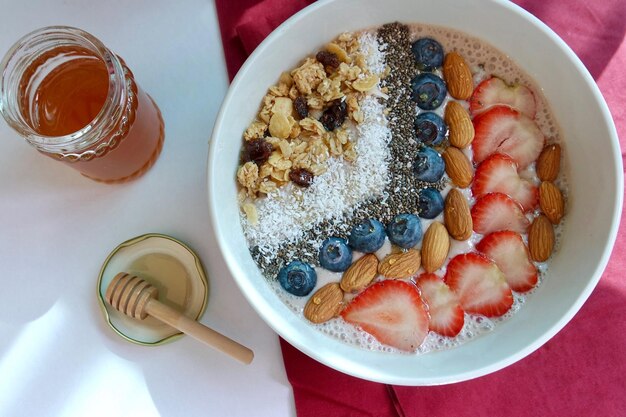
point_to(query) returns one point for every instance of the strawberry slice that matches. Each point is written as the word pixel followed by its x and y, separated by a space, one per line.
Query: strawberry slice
pixel 502 129
pixel 446 315
pixel 494 91
pixel 391 311
pixel 497 211
pixel 479 284
pixel 508 251
pixel 498 173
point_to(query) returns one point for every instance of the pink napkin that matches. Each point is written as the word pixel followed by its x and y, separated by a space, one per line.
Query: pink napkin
pixel 582 370
pixel 245 23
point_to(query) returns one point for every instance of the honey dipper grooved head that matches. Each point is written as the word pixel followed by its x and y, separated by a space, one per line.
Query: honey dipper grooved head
pixel 129 294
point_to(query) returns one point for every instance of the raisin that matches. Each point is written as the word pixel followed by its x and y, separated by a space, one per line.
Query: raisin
pixel 257 150
pixel 301 177
pixel 328 59
pixel 334 116
pixel 301 106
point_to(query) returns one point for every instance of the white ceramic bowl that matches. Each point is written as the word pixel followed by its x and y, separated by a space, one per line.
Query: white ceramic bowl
pixel 592 164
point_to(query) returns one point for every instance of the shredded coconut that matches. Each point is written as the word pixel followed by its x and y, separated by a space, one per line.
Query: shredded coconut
pixel 373 51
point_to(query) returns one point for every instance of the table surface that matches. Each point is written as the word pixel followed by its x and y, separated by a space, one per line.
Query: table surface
pixel 57 355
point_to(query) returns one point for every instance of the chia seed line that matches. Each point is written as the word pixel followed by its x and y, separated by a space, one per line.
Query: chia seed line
pixel 403 186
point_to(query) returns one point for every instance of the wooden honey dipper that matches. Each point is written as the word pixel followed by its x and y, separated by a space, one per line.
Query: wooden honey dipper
pixel 136 298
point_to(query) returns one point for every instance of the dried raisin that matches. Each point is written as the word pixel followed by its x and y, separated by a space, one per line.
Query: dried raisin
pixel 301 177
pixel 334 116
pixel 257 150
pixel 301 106
pixel 328 59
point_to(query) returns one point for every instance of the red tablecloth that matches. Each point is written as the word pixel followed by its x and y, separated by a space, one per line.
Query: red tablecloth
pixel 582 370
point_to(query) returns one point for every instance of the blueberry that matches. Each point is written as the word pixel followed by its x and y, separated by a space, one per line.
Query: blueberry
pixel 297 278
pixel 405 230
pixel 367 236
pixel 429 165
pixel 335 254
pixel 430 128
pixel 428 91
pixel 429 203
pixel 428 54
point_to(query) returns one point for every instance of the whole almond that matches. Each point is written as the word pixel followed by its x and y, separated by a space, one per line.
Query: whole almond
pixel 457 216
pixel 460 126
pixel 360 273
pixel 400 265
pixel 458 76
pixel 551 202
pixel 325 304
pixel 435 247
pixel 458 167
pixel 540 239
pixel 549 162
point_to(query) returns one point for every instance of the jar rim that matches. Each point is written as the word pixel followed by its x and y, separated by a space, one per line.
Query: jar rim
pixel 28 48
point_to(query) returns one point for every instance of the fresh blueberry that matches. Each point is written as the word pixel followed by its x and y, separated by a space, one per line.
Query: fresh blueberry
pixel 297 278
pixel 367 236
pixel 429 165
pixel 428 91
pixel 335 254
pixel 430 128
pixel 428 54
pixel 429 203
pixel 405 230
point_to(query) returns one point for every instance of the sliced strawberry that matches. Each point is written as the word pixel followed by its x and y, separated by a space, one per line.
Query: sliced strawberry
pixel 497 211
pixel 498 173
pixel 508 251
pixel 391 311
pixel 494 91
pixel 479 284
pixel 504 130
pixel 446 315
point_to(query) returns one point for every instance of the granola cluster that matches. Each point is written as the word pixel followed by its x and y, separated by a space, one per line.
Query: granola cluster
pixel 303 121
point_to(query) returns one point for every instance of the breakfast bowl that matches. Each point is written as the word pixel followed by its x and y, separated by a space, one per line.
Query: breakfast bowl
pixel 590 164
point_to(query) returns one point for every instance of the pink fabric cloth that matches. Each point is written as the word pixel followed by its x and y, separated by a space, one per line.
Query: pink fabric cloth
pixel 245 23
pixel 582 370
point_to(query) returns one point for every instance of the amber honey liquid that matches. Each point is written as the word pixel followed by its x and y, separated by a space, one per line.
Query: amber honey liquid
pixel 70 96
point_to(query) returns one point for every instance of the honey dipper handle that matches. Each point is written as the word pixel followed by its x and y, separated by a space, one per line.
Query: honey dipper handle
pixel 199 331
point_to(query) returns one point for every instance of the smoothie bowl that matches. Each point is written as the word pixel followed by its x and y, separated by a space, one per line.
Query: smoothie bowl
pixel 415 195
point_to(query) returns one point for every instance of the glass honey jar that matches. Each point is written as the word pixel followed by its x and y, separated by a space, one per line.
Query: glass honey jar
pixel 75 101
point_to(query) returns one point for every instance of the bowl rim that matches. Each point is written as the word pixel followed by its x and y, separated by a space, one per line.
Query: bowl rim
pixel 335 361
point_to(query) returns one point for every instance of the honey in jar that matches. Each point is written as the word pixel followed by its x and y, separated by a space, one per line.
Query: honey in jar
pixel 77 102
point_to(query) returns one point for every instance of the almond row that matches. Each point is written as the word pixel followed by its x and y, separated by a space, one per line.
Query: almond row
pixel 541 238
